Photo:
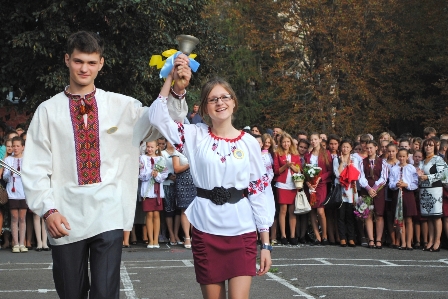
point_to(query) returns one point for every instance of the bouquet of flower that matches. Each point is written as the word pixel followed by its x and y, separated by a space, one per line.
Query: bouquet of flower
pixel 312 174
pixel 363 207
pixel 298 179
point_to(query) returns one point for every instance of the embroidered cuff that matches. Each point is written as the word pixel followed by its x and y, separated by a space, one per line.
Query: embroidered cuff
pixel 263 229
pixel 368 188
pixel 49 213
pixel 162 98
pixel 375 187
pixel 177 96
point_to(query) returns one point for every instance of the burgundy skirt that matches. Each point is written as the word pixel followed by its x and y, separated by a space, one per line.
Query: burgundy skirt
pixel 409 205
pixel 379 201
pixel 321 194
pixel 219 258
pixel 150 204
pixel 17 204
pixel 286 197
pixel 445 202
pixel 418 217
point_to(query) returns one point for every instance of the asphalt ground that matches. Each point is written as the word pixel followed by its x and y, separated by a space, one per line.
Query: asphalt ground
pixel 298 272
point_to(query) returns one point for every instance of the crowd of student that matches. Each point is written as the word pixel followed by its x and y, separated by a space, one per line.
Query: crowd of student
pixel 411 164
pixel 19 227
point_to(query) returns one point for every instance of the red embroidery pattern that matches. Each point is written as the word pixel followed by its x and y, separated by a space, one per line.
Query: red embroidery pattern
pixel 180 129
pixel 259 185
pixel 87 141
pixel 225 139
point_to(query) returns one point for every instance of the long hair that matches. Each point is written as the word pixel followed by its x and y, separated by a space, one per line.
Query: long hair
pixel 429 141
pixel 292 149
pixel 323 153
pixel 266 136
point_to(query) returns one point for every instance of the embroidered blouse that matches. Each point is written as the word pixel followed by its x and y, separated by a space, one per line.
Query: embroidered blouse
pixel 147 164
pixel 378 183
pixel 409 176
pixel 216 162
pixel 440 168
pixel 267 161
pixel 14 186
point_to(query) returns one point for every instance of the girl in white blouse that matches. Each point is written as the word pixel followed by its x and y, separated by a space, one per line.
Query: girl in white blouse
pixel 223 162
pixel 404 176
pixel 151 190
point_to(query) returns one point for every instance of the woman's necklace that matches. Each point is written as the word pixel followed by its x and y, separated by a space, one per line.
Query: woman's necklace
pixel 428 158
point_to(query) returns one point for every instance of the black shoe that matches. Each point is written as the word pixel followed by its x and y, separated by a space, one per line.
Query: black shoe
pixel 293 241
pixel 302 240
pixel 409 248
pixel 284 241
pixel 324 242
pixel 379 247
pixel 416 245
pixel 316 242
pixel 434 250
pixel 38 249
pixel 351 243
pixel 371 246
pixel 46 249
pixel 428 249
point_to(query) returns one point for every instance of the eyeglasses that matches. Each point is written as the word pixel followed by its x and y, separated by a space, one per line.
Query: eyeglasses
pixel 224 98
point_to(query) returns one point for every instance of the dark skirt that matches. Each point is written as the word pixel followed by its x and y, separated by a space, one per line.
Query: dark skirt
pixel 286 197
pixel 445 202
pixel 321 194
pixel 150 205
pixel 418 217
pixel 17 204
pixel 379 201
pixel 409 206
pixel 169 201
pixel 219 258
pixel 185 189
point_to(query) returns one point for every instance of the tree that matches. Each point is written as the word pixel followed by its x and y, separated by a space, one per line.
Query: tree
pixel 34 34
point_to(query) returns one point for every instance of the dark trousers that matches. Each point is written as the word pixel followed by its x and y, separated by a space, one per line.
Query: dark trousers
pixel 70 267
pixel 346 222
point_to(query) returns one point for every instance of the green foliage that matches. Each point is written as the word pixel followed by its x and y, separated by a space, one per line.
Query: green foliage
pixel 34 33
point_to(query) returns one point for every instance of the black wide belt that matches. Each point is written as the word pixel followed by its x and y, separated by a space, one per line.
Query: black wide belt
pixel 221 195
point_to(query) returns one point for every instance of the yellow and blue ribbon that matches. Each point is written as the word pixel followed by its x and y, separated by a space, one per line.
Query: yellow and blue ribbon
pixel 167 65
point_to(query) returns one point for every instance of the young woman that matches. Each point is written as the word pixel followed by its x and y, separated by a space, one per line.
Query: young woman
pixel 430 174
pixel 185 192
pixel 223 162
pixel 16 195
pixel 420 223
pixel 172 214
pixel 390 162
pixel 332 213
pixel 372 180
pixel 286 162
pixel 322 158
pixel 267 154
pixel 404 176
pixel 152 191
pixel 346 218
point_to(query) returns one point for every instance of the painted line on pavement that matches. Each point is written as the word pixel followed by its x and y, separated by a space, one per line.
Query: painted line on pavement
pixel 285 283
pixel 376 288
pixel 127 283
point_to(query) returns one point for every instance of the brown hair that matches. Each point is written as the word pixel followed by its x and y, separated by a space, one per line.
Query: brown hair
pixel 18 138
pixel 157 151
pixel 86 42
pixel 323 153
pixel 207 88
pixel 266 136
pixel 292 150
pixel 430 140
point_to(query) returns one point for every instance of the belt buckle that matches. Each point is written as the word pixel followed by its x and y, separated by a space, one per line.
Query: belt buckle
pixel 220 195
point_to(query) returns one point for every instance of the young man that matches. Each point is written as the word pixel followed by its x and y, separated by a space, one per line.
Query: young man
pixel 429 132
pixel 194 116
pixel 443 147
pixel 80 170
